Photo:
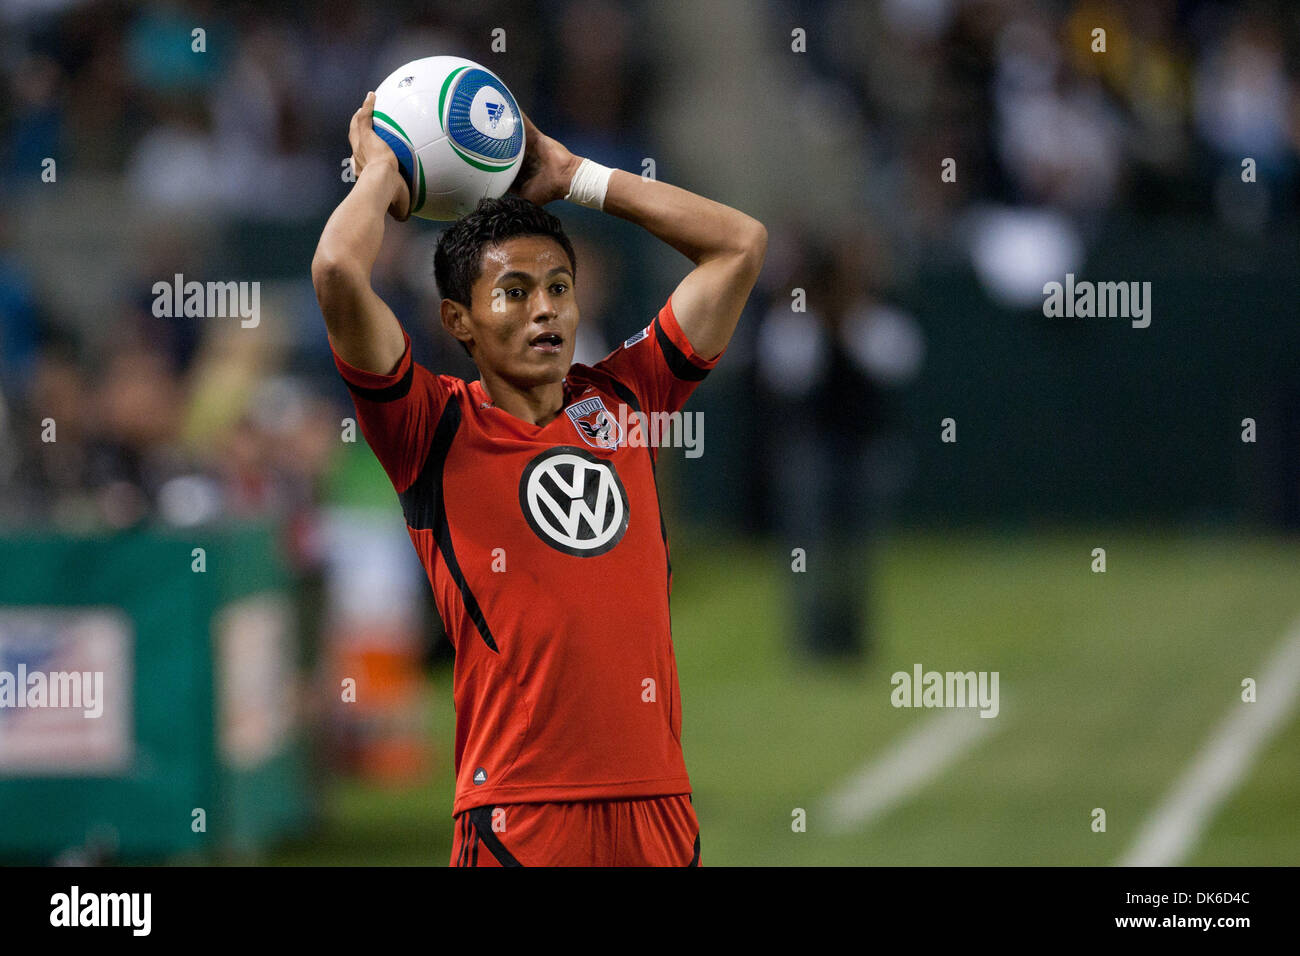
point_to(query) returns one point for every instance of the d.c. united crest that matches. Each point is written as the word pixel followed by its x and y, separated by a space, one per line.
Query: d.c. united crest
pixel 595 424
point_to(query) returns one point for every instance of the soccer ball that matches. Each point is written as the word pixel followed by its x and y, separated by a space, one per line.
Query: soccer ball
pixel 456 130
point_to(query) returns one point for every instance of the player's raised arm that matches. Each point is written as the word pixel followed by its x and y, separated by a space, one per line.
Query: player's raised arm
pixel 726 245
pixel 362 329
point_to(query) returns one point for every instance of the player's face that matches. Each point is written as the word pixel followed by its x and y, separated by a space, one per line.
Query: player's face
pixel 525 314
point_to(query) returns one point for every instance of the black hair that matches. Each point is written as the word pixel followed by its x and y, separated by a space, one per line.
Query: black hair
pixel 458 260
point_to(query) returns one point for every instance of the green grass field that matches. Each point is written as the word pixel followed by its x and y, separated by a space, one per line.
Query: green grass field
pixel 1109 684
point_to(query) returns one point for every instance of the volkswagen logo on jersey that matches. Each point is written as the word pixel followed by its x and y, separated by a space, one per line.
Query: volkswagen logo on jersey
pixel 574 501
pixel 595 424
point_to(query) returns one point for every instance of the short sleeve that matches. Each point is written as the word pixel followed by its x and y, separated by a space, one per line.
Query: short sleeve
pixel 397 413
pixel 659 364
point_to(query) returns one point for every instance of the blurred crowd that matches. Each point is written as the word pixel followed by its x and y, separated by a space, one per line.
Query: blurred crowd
pixel 234 137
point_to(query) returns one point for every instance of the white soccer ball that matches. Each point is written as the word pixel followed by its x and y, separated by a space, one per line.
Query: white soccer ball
pixel 456 130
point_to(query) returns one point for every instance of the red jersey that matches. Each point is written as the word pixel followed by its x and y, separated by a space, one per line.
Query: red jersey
pixel 548 558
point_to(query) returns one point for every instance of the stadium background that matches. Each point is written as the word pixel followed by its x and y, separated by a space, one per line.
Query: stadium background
pixel 830 122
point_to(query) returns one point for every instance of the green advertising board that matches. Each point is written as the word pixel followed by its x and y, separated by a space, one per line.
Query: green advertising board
pixel 149 693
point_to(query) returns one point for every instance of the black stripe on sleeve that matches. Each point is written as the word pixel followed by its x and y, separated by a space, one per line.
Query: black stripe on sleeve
pixel 678 363
pixel 389 393
pixel 626 394
pixel 426 510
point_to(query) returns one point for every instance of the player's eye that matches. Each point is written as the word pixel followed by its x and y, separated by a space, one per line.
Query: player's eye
pixel 561 286
pixel 511 292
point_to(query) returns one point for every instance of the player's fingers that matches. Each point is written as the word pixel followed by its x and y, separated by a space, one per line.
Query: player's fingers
pixel 354 131
pixel 530 131
pixel 364 116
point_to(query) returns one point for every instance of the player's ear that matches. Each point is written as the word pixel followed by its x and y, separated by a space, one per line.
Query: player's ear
pixel 455 320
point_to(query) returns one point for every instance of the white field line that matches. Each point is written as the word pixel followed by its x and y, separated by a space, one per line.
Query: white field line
pixel 906 766
pixel 1174 828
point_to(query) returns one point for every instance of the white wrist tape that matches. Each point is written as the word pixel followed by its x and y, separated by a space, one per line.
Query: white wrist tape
pixel 589 184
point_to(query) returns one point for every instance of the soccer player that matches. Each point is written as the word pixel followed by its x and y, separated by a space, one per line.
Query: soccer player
pixel 535 517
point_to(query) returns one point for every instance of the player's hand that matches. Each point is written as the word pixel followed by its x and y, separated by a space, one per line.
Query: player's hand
pixel 547 168
pixel 369 150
